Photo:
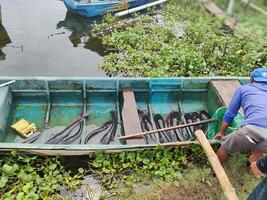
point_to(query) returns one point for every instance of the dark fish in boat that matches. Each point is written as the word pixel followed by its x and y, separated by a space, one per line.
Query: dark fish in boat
pixel 110 135
pixel 174 119
pixel 149 127
pixel 146 125
pixel 102 128
pixel 204 116
pixel 190 130
pixel 196 118
pixel 140 115
pixel 32 138
pixel 76 134
pixel 68 131
pixel 160 123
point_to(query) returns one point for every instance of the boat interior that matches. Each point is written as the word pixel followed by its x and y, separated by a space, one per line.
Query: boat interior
pixel 104 109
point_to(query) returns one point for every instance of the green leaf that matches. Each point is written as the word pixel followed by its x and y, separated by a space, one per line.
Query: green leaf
pixel 3 181
pixel 20 196
pixel 27 187
pixel 7 169
pixel 52 167
pixel 81 170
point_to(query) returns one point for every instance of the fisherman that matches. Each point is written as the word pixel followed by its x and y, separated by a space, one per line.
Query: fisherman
pixel 252 133
pixel 260 191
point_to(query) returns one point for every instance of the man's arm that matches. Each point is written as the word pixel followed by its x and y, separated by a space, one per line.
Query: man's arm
pixel 230 114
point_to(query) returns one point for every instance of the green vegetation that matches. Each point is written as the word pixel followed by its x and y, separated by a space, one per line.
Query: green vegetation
pixel 165 173
pixel 249 21
pixel 30 178
pixel 197 183
pixel 133 167
pixel 183 41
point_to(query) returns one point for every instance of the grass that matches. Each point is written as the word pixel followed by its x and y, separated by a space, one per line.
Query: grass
pixel 248 20
pixel 197 184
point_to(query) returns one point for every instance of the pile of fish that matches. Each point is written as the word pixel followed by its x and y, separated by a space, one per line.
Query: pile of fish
pixel 174 118
pixel 78 133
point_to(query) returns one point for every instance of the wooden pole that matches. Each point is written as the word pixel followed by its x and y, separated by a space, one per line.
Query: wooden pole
pixel 257 8
pixel 230 8
pixel 136 135
pixel 227 187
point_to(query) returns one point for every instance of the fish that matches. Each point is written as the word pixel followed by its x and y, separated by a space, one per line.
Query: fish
pixel 32 138
pixel 146 125
pixel 174 119
pixel 96 131
pixel 110 135
pixel 160 123
pixel 204 116
pixel 66 134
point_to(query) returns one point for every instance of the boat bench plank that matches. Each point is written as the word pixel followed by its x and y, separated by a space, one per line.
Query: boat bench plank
pixel 130 116
pixel 225 89
pixel 218 12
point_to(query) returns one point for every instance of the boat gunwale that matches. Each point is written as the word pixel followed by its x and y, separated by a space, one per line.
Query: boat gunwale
pixel 77 78
pixel 101 3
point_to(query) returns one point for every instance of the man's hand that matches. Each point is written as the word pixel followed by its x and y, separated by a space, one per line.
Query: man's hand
pixel 219 136
pixel 255 170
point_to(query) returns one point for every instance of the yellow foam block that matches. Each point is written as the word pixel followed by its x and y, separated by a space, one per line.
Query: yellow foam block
pixel 24 128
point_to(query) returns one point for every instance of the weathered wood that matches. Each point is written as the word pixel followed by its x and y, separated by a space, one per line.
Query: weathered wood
pixel 225 89
pixel 253 6
pixel 130 116
pixel 217 12
pixel 230 7
pixel 0 15
pixel 141 134
pixel 227 187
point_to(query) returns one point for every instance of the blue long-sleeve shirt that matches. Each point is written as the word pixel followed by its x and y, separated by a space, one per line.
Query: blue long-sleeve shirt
pixel 253 99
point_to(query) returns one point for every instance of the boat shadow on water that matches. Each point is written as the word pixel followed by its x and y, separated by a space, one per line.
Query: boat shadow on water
pixel 80 28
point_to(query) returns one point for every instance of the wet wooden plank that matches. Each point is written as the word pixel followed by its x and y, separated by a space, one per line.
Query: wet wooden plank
pixel 130 116
pixel 225 89
pixel 218 12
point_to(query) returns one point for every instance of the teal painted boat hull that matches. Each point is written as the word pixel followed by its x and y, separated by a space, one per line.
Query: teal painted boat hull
pixel 56 102
pixel 89 8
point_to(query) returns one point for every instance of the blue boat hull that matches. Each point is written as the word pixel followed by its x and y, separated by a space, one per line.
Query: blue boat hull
pixel 93 9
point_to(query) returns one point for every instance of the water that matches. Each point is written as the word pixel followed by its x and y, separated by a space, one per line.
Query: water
pixel 39 38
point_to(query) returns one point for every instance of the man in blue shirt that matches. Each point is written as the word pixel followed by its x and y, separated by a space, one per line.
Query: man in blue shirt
pixel 252 133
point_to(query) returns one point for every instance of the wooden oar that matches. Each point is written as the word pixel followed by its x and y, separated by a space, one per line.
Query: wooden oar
pixel 138 135
pixel 228 189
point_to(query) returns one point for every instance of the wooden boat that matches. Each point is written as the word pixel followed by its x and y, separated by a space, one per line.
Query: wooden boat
pixel 52 103
pixel 92 8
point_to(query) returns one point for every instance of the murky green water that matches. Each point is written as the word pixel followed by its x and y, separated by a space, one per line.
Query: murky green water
pixel 39 38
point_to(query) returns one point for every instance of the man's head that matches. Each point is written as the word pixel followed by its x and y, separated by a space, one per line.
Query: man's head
pixel 259 75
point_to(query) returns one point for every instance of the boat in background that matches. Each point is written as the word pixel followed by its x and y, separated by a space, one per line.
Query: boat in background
pixel 92 8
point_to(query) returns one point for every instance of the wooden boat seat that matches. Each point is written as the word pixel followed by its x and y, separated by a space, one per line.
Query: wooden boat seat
pixel 130 116
pixel 225 89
